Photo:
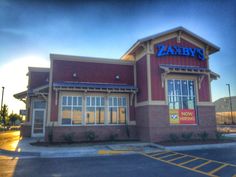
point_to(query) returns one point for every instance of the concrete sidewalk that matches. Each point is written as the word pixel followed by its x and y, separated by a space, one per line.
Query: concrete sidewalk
pixel 18 146
pixel 23 147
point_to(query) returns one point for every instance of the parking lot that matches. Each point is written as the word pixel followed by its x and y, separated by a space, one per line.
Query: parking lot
pixel 197 163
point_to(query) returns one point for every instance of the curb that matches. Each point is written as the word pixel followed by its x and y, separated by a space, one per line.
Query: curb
pixel 199 147
pixel 15 153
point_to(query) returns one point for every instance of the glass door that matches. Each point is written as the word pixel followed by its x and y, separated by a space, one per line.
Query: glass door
pixel 38 122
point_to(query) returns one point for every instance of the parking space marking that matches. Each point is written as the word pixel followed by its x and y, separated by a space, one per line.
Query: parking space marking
pixel 201 165
pixel 188 161
pixel 217 169
pixel 163 157
pixel 171 160
pixel 211 175
pixel 171 157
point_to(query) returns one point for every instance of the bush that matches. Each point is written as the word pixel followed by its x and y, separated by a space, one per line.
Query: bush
pixel 203 136
pixel 113 136
pixel 50 134
pixel 187 136
pixel 69 138
pixel 173 137
pixel 90 135
pixel 127 131
pixel 219 135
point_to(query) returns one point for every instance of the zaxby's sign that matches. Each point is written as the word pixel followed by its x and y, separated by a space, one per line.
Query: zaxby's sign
pixel 164 50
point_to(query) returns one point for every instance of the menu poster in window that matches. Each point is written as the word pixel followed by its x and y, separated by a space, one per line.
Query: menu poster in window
pixel 187 116
pixel 174 116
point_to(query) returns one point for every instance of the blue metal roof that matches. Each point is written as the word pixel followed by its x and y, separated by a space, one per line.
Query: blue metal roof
pixel 94 85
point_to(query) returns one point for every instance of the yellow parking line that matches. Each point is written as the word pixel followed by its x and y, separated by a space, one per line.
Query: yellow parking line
pixel 207 159
pixel 202 165
pixel 165 152
pixel 197 171
pixel 171 160
pixel 187 161
pixel 162 157
pixel 217 169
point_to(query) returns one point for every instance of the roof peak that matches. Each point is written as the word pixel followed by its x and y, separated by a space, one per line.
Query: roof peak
pixel 214 47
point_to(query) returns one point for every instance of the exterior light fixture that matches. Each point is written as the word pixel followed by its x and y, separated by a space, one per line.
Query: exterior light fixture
pixel 74 75
pixel 117 77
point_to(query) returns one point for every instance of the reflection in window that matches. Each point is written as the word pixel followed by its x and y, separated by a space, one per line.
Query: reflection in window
pixel 117 110
pixel 95 110
pixel 71 110
pixel 181 94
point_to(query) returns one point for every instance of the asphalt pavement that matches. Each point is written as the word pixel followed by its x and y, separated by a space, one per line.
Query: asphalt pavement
pixel 214 162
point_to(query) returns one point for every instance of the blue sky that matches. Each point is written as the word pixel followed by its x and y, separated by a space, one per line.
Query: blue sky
pixel 30 30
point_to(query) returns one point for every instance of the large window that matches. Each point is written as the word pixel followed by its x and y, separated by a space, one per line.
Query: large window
pixel 95 110
pixel 71 110
pixel 117 110
pixel 181 99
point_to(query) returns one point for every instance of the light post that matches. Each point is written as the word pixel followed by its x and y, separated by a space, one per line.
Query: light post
pixel 2 102
pixel 230 103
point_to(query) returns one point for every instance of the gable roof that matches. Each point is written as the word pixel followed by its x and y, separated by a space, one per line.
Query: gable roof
pixel 214 48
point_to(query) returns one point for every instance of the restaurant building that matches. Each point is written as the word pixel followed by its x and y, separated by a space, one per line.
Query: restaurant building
pixel 160 86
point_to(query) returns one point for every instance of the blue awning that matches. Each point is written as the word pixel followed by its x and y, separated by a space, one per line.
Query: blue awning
pixel 95 86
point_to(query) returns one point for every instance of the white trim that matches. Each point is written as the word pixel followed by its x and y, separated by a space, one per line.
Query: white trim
pixel 38 69
pixel 203 103
pixel 149 89
pixel 146 103
pixel 44 117
pixel 49 94
pixel 84 94
pixel 89 59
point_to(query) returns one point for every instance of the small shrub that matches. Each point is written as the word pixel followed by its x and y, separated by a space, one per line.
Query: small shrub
pixel 173 137
pixel 187 136
pixel 50 137
pixel 69 138
pixel 203 136
pixel 219 135
pixel 90 135
pixel 50 134
pixel 113 136
pixel 127 131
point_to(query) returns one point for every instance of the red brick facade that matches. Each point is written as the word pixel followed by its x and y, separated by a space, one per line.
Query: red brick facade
pixel 119 132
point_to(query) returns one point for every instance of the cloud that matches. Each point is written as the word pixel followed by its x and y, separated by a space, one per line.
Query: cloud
pixel 13 78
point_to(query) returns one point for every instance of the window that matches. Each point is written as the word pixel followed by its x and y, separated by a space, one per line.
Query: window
pixel 117 110
pixel 71 110
pixel 181 99
pixel 95 110
pixel 39 104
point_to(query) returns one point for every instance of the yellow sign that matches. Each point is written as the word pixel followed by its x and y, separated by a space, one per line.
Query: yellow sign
pixel 174 116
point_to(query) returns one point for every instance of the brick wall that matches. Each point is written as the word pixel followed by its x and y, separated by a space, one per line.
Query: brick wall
pixel 25 130
pixel 153 123
pixel 101 132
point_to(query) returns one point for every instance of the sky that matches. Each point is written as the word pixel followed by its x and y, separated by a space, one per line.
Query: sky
pixel 31 30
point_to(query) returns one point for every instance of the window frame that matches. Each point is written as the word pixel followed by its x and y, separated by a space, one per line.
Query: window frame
pixel 195 83
pixel 72 108
pixel 95 109
pixel 117 106
pixel 84 95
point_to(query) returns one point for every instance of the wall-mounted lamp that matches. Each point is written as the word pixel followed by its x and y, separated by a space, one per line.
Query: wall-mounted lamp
pixel 75 75
pixel 117 77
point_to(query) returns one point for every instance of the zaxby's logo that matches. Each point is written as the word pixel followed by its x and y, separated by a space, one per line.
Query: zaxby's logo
pixel 163 50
